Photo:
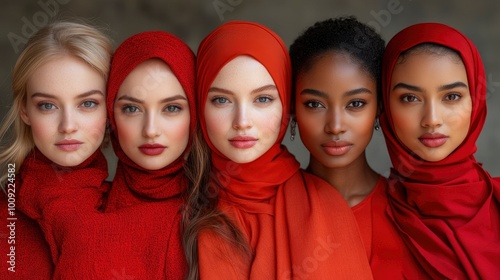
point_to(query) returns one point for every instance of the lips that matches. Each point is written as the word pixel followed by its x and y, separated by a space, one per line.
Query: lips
pixel 336 148
pixel 243 142
pixel 152 149
pixel 433 140
pixel 69 145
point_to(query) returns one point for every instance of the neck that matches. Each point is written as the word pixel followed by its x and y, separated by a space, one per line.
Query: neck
pixel 354 181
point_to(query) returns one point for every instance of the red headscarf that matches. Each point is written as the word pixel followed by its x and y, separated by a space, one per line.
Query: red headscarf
pixel 168 181
pixel 447 211
pixel 267 198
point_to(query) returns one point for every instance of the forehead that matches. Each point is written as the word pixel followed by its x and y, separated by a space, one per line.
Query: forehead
pixel 65 75
pixel 242 73
pixel 429 67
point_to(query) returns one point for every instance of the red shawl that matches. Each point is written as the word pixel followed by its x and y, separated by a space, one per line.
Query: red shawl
pixel 448 211
pixel 294 223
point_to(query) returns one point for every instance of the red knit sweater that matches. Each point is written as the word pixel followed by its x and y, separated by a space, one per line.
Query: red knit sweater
pixel 31 253
pixel 139 239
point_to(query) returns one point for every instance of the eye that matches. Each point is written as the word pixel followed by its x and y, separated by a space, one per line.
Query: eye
pixel 453 97
pixel 409 98
pixel 130 109
pixel 313 104
pixel 44 106
pixel 264 99
pixel 356 104
pixel 172 108
pixel 220 100
pixel 88 104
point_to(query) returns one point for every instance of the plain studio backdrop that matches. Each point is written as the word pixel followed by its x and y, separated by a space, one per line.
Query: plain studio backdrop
pixel 192 20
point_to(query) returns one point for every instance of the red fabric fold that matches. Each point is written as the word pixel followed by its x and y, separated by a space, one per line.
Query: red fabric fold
pixel 447 211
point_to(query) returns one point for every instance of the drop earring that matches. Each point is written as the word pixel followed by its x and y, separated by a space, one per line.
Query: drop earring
pixel 292 129
pixel 377 125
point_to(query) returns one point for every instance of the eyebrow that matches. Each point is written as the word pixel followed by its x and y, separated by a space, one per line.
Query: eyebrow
pixel 441 88
pixel 257 90
pixel 165 100
pixel 264 88
pixel 452 86
pixel 408 87
pixel 325 95
pixel 82 95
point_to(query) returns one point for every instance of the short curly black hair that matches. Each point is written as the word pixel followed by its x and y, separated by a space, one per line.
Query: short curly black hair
pixel 343 34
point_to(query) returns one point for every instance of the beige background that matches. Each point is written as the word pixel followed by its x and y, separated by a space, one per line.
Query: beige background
pixel 191 20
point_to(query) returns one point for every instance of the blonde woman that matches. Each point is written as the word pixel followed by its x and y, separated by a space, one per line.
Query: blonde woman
pixel 58 119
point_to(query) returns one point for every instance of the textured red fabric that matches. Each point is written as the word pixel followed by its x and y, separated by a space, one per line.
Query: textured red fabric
pixel 389 257
pixel 32 253
pixel 268 198
pixel 448 211
pixel 50 193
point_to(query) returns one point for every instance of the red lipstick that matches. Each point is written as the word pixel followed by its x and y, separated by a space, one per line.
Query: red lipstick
pixel 152 149
pixel 433 140
pixel 243 142
pixel 336 148
pixel 69 145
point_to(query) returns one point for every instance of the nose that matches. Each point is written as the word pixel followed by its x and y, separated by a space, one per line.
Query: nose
pixel 68 123
pixel 335 122
pixel 242 119
pixel 150 128
pixel 431 115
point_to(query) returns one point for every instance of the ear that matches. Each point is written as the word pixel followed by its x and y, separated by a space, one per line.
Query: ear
pixel 24 116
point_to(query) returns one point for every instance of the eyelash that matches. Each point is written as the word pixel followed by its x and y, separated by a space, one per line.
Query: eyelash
pixel 43 106
pixel 264 99
pixel 456 95
pixel 92 105
pixel 130 109
pixel 362 104
pixel 313 104
pixel 404 98
pixel 176 108
pixel 218 100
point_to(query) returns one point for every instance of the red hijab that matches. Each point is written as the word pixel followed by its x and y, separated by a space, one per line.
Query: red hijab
pixel 277 165
pixel 267 199
pixel 447 211
pixel 131 178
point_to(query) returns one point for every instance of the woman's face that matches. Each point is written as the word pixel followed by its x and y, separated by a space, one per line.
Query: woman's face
pixel 152 117
pixel 243 110
pixel 336 108
pixel 430 104
pixel 66 110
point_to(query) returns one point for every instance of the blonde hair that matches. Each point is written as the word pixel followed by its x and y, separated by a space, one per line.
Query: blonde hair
pixel 60 38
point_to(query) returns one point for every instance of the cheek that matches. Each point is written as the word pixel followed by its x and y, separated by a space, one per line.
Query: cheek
pixel 43 129
pixel 178 131
pixel 127 130
pixel 364 124
pixel 399 114
pixel 217 123
pixel 274 123
pixel 270 119
pixel 309 125
pixel 96 125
